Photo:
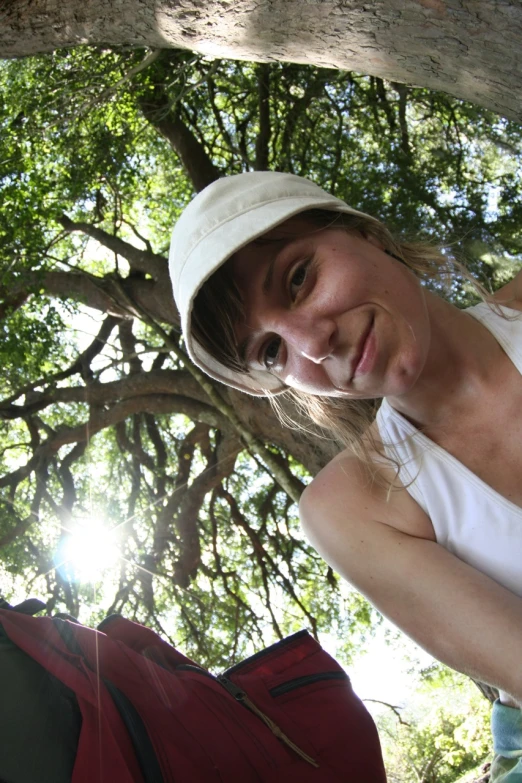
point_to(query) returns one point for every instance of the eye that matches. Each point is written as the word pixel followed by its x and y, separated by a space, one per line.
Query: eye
pixel 271 352
pixel 297 279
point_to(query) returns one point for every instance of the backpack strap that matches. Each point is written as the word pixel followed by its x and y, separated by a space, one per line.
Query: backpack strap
pixel 30 606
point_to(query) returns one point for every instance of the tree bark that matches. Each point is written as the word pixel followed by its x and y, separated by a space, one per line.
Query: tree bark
pixel 113 295
pixel 468 49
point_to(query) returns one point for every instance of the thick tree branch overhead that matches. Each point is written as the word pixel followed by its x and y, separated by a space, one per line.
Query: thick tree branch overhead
pixel 468 49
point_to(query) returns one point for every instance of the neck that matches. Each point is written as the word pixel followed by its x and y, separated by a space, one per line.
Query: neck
pixel 462 364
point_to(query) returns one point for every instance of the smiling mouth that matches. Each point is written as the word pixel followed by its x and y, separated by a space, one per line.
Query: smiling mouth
pixel 361 357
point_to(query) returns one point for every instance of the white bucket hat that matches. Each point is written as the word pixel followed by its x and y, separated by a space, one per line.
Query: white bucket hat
pixel 229 214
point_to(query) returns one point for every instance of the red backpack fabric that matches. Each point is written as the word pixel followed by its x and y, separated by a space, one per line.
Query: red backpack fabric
pixel 151 715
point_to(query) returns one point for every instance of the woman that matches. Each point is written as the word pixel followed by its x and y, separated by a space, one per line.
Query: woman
pixel 281 286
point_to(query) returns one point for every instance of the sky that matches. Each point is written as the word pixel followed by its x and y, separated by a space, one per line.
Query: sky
pixel 388 670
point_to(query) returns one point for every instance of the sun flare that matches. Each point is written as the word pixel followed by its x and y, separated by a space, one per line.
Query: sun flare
pixel 89 549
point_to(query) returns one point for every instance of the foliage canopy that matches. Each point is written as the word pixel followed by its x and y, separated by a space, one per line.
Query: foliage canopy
pixel 99 151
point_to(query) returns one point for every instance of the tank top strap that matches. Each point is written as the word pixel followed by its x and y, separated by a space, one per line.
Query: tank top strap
pixel 402 446
pixel 506 330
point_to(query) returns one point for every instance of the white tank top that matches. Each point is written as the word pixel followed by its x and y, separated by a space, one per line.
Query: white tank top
pixel 469 518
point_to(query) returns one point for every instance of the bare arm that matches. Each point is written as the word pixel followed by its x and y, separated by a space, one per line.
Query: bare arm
pixel 375 540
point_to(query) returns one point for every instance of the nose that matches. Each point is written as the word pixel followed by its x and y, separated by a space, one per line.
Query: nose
pixel 314 339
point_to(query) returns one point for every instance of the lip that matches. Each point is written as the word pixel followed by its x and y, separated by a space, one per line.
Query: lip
pixel 366 353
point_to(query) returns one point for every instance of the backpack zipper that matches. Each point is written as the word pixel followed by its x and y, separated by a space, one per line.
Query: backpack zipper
pixel 191 667
pixel 267 651
pixel 308 679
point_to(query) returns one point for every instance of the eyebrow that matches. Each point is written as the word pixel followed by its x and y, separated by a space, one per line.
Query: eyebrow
pixel 265 287
pixel 267 282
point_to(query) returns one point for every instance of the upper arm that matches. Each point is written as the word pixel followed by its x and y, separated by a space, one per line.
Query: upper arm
pixel 458 614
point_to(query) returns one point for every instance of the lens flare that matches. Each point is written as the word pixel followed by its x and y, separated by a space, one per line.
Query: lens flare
pixel 87 551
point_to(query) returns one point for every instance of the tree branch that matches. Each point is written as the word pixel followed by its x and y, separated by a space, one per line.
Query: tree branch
pixel 128 347
pixel 157 109
pixel 299 106
pixel 100 419
pixel 11 303
pixel 264 558
pixel 80 365
pixel 403 91
pixel 111 295
pixel 287 481
pixel 156 382
pixel 40 465
pixel 383 98
pixel 139 260
pixel 392 708
pixel 263 137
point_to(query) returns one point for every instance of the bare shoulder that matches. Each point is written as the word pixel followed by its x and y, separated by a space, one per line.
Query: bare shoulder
pixel 510 294
pixel 348 493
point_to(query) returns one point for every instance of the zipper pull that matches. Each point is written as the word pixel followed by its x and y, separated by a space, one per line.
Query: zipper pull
pixel 243 697
pixel 232 688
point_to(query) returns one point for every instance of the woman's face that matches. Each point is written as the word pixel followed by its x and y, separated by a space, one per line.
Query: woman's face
pixel 330 313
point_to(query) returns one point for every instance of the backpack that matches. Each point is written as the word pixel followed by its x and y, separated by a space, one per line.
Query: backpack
pixel 151 715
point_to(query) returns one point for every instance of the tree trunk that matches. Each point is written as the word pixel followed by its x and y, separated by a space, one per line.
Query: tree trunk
pixel 468 49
